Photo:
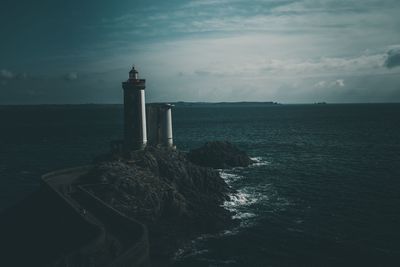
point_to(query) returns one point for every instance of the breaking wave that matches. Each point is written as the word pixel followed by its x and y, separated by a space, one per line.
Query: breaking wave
pixel 243 204
pixel 230 177
pixel 259 161
pixel 241 198
pixel 238 204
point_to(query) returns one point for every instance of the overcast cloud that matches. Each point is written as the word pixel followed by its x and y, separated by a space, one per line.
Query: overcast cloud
pixel 290 51
pixel 393 58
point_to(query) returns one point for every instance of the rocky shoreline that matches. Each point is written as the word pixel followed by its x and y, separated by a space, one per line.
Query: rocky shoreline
pixel 86 216
pixel 177 195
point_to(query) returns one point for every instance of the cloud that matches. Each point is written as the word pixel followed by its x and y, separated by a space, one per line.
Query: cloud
pixel 6 74
pixel 72 76
pixel 330 84
pixel 393 58
pixel 284 50
pixel 320 84
pixel 339 83
pixel 231 16
pixel 10 75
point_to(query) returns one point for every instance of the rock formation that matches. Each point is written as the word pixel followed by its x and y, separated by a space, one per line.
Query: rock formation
pixel 164 188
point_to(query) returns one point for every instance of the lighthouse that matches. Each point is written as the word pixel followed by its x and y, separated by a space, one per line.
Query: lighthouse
pixel 135 134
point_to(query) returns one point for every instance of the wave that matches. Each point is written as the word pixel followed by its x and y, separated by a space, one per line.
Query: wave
pixel 259 161
pixel 230 177
pixel 187 252
pixel 241 198
pixel 197 246
pixel 239 203
pixel 243 204
pixel 244 215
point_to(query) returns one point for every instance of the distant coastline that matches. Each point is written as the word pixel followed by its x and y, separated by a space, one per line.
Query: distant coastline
pixel 189 104
pixel 242 103
pixel 177 104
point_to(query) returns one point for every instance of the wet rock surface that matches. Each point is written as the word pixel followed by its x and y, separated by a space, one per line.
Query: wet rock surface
pixel 219 155
pixel 163 188
pixel 175 198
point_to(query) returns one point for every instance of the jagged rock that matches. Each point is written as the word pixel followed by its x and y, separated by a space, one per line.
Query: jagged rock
pixel 219 155
pixel 175 198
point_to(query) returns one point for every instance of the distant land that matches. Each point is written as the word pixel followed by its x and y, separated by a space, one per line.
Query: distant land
pixel 200 104
pixel 242 103
pixel 179 103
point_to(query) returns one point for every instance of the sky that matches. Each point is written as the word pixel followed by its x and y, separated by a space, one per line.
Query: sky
pixel 287 51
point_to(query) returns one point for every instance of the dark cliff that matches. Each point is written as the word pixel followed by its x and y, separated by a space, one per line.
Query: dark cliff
pixel 166 190
pixel 163 188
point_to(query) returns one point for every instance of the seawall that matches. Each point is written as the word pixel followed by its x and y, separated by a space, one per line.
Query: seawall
pixel 63 224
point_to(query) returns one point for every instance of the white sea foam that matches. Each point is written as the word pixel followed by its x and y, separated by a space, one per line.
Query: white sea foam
pixel 229 177
pixel 244 215
pixel 238 204
pixel 241 198
pixel 229 232
pixel 243 204
pixel 259 161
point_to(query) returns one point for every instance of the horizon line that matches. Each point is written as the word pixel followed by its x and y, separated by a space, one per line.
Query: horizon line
pixel 207 102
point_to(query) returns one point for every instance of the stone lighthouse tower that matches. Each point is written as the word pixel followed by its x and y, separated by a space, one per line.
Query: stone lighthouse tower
pixel 135 135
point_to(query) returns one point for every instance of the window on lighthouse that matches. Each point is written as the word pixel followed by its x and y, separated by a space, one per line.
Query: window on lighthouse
pixel 133 75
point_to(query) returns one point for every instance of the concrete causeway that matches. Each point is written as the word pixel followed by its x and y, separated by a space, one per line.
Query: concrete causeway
pixel 121 241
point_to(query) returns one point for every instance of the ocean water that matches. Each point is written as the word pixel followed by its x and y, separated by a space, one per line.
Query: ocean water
pixel 324 191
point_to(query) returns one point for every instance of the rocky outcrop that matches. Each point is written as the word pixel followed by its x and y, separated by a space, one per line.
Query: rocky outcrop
pixel 174 197
pixel 219 155
pixel 165 189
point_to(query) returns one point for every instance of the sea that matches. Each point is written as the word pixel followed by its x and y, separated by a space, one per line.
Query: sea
pixel 324 189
